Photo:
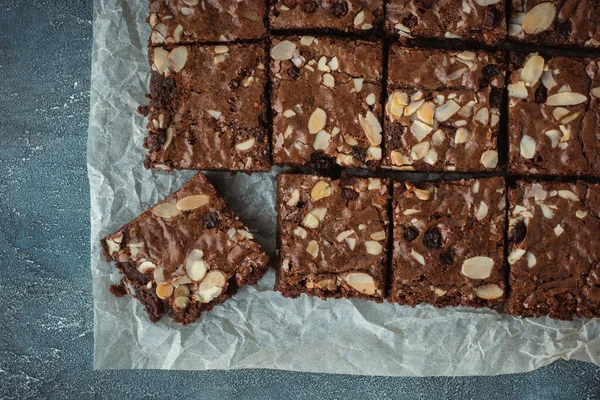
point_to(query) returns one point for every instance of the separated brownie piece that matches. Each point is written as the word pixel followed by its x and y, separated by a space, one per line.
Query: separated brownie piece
pixel 478 20
pixel 332 236
pixel 443 110
pixel 556 22
pixel 554 249
pixel 326 101
pixel 207 108
pixel 194 21
pixel 448 243
pixel 186 254
pixel 342 15
pixel 553 115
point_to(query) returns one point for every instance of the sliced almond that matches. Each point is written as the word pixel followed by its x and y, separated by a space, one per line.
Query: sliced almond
pixel 581 214
pixel 420 130
pixel 517 90
pixel 426 112
pixel 567 194
pixel 181 291
pixel 565 99
pixel 532 71
pixel 419 150
pixel 317 121
pixel 310 221
pixel 596 92
pixel 446 111
pixel 164 290
pixel 193 202
pixel 161 60
pixel 166 210
pixel 359 18
pixel 181 302
pixel 320 190
pixel 399 159
pixel 195 266
pixel 294 198
pixel 527 147
pixel 482 211
pixel 417 257
pixel 146 267
pixel 477 267
pixel 515 256
pixel 531 260
pixel 300 232
pixel 489 292
pixel 245 145
pixel 328 80
pixel 313 248
pixel 380 235
pixel 554 136
pixel 344 235
pixel 539 18
pixel 461 136
pixel 362 282
pixel 322 140
pixel 351 242
pixel 489 159
pixel 283 50
pixel 413 107
pixel 371 127
pixel 558 230
pixel 178 57
pixel 373 247
pixel 211 287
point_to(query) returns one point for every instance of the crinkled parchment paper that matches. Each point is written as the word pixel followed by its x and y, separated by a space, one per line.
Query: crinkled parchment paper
pixel 258 328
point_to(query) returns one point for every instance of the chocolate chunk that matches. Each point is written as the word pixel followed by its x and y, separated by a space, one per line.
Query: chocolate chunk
pixel 495 97
pixel 410 21
pixel 211 220
pixel 309 6
pixel 519 232
pixel 410 233
pixel 339 8
pixel 432 238
pixel 541 94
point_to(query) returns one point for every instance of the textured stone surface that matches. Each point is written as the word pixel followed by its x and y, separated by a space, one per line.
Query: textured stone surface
pixel 46 320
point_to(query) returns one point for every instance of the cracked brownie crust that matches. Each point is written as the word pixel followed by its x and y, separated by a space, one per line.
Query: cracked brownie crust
pixel 326 100
pixel 443 110
pixel 207 108
pixel 195 21
pixel 448 243
pixel 556 22
pixel 554 115
pixel 332 236
pixel 477 20
pixel 554 252
pixel 186 254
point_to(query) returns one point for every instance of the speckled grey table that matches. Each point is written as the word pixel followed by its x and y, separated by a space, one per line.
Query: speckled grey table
pixel 46 321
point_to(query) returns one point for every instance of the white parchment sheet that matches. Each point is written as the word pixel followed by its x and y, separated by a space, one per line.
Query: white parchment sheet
pixel 258 328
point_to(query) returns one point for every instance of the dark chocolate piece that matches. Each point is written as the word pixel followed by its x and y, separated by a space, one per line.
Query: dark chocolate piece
pixel 332 236
pixel 173 263
pixel 448 243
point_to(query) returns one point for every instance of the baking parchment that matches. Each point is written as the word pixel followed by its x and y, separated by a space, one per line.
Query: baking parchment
pixel 258 328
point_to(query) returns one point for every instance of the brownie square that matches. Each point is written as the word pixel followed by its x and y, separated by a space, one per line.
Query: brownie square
pixel 332 236
pixel 449 243
pixel 207 108
pixel 326 101
pixel 196 21
pixel 185 255
pixel 443 110
pixel 553 115
pixel 341 15
pixel 482 21
pixel 556 22
pixel 554 249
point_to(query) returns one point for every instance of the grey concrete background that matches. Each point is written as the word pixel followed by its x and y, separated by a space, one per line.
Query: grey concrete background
pixel 46 321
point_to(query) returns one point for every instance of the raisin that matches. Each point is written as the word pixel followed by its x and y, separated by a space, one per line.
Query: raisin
pixel 495 97
pixel 359 154
pixel 492 17
pixel 447 258
pixel 518 59
pixel 289 3
pixel 321 162
pixel 490 71
pixel 309 6
pixel 432 238
pixel 307 54
pixel 211 220
pixel 300 204
pixel 349 194
pixel 410 233
pixel 541 94
pixel 339 8
pixel 562 28
pixel 293 72
pixel 519 232
pixel 410 21
pixel 546 38
pixel 428 3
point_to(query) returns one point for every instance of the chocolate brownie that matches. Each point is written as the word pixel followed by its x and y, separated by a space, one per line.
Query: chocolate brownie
pixel 554 249
pixel 186 254
pixel 340 15
pixel 553 115
pixel 443 109
pixel 326 101
pixel 556 22
pixel 332 236
pixel 449 243
pixel 477 20
pixel 195 21
pixel 208 108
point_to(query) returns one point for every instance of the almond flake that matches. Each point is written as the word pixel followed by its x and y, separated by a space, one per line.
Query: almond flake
pixel 489 292
pixel 539 18
pixel 532 71
pixel 283 50
pixel 322 140
pixel 558 230
pixel 371 127
pixel 489 159
pixel 294 198
pixel 344 235
pixel 166 210
pixel 320 190
pixel 565 99
pixel 378 235
pixel 420 130
pixel 517 90
pixel 567 194
pixel 527 147
pixel 362 282
pixel 317 121
pixel 482 211
pixel 373 247
pixel 446 111
pixel 417 257
pixel 313 248
pixel 193 202
pixel 477 267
